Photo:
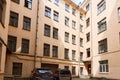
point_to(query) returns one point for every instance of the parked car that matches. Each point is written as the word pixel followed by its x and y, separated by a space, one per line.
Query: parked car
pixel 62 74
pixel 42 74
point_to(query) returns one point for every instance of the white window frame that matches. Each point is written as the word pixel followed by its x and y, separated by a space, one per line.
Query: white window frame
pixel 47 12
pixel 56 16
pixel 102 25
pixel 101 6
pixel 119 14
pixel 67 7
pixel 103 66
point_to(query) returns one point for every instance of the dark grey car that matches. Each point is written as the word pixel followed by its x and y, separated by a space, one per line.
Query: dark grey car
pixel 42 74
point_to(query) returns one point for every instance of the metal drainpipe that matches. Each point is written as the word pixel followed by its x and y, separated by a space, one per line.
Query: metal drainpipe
pixel 91 41
pixel 36 36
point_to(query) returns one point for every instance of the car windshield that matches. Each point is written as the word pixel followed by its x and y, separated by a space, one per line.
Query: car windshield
pixel 43 71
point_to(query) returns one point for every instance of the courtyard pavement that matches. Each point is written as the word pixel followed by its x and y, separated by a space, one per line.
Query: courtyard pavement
pixel 80 79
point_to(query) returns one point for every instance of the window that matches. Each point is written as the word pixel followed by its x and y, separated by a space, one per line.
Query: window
pixel 73 11
pixel 81 28
pixel 46 50
pixel 12 43
pixel 13 19
pixel 119 14
pixel 73 70
pixel 81 16
pixel 55 33
pixel 46 30
pixel 81 56
pixel 102 25
pixel 102 46
pixel 16 1
pixel 81 41
pixel 73 39
pixel 73 24
pixel 25 46
pixel 66 21
pixel 28 4
pixel 55 51
pixel 73 54
pixel 66 53
pixel 88 52
pixel 26 23
pixel 1 9
pixel 81 70
pixel 88 22
pixel 101 6
pixel 17 68
pixel 56 2
pixel 103 66
pixel 66 67
pixel 87 7
pixel 66 37
pixel 67 7
pixel 56 16
pixel 47 12
pixel 88 37
pixel 0 53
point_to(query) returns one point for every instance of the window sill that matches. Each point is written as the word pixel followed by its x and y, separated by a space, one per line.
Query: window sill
pixel 56 20
pixel 2 24
pixel 102 31
pixel 103 72
pixel 47 35
pixel 48 16
pixel 67 41
pixel 13 25
pixel 66 25
pixel 26 29
pixel 102 52
pixel 101 11
pixel 73 43
pixel 55 38
pixel 67 10
pixel 56 4
pixel 28 8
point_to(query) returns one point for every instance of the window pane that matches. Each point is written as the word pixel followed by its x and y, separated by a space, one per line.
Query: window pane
pixel 102 25
pixel 13 19
pixel 26 23
pixel 119 14
pixel 47 12
pixel 66 53
pixel 46 30
pixel 102 46
pixel 25 46
pixel 16 1
pixel 12 43
pixel 17 69
pixel 46 50
pixel 56 16
pixel 55 51
pixel 101 6
pixel 55 33
pixel 1 9
pixel 28 3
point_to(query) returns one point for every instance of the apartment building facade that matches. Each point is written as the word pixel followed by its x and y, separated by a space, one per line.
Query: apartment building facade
pixel 21 38
pixel 4 16
pixel 60 34
pixel 104 31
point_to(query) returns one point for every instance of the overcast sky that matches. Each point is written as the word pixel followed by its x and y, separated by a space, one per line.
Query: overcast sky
pixel 77 1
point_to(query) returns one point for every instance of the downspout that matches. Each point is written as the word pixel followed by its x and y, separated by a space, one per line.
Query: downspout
pixel 36 36
pixel 91 41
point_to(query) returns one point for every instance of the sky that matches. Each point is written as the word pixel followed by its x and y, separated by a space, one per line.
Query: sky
pixel 77 1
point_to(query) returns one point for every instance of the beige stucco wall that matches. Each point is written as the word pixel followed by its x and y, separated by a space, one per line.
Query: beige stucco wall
pixel 3 35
